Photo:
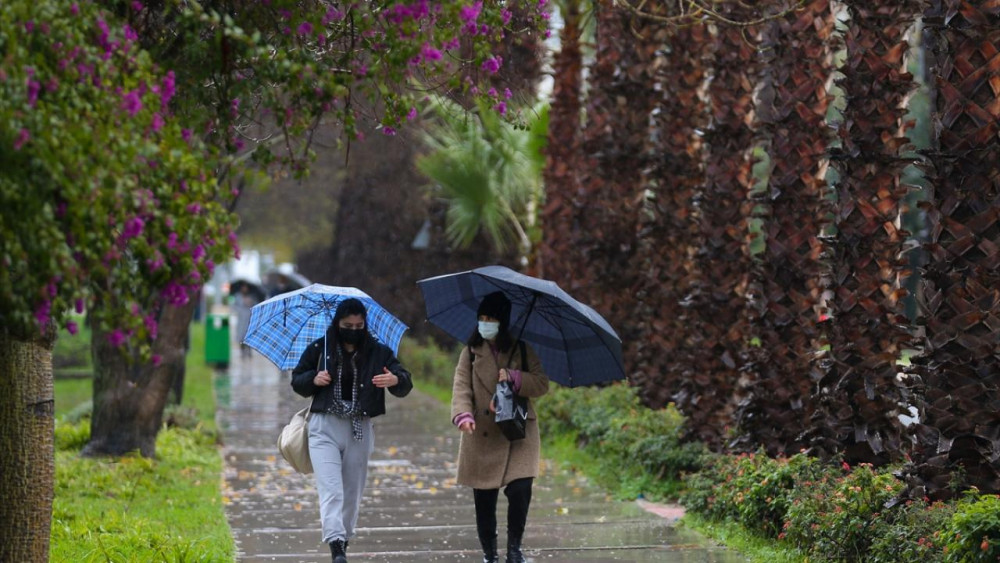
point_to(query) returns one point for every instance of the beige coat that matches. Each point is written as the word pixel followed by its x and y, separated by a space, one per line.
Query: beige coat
pixel 486 459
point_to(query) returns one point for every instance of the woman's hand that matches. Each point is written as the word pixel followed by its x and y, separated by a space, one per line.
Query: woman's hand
pixel 385 379
pixel 467 427
pixel 504 375
pixel 322 379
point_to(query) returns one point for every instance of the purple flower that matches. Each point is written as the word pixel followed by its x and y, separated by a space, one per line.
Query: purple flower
pixel 507 93
pixel 469 15
pixel 157 121
pixel 332 15
pixel 43 314
pixel 78 305
pixel 430 53
pixel 151 325
pixel 501 108
pixel 168 89
pixel 186 134
pixel 492 92
pixel 71 327
pixel 132 103
pixel 388 131
pixel 175 293
pixel 198 252
pixel 29 26
pixel 505 16
pixel 156 359
pixel 116 338
pixel 23 137
pixel 492 64
pixel 412 115
pixel 75 8
pixel 305 28
pixel 133 228
pixel 137 6
pixel 194 209
pixel 33 88
pixel 130 33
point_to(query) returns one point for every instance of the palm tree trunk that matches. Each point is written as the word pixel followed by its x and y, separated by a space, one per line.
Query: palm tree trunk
pixel 717 322
pixel 130 394
pixel 787 281
pixel 668 276
pixel 562 186
pixel 859 397
pixel 27 458
pixel 958 437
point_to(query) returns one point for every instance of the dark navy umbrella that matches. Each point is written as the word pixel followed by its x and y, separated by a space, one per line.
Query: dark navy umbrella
pixel 575 344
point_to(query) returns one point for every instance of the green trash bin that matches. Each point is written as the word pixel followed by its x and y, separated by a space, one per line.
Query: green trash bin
pixel 217 340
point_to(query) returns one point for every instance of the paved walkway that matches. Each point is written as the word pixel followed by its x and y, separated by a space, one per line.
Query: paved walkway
pixel 413 511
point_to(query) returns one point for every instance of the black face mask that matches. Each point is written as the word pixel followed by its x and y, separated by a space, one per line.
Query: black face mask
pixel 352 336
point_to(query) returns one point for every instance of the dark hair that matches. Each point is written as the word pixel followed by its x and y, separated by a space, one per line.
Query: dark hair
pixel 497 306
pixel 347 308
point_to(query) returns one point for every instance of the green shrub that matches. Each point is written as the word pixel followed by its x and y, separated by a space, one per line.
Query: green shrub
pixel 433 367
pixel 72 350
pixel 752 489
pixel 974 531
pixel 912 532
pixel 839 518
pixel 72 435
pixel 630 449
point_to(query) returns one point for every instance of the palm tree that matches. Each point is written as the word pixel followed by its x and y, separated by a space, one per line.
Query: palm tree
pixel 716 316
pixel 859 397
pixel 488 171
pixel 958 436
pixel 786 282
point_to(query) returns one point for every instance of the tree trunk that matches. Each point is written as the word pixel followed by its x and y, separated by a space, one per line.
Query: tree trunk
pixel 958 437
pixel 561 214
pixel 860 398
pixel 27 465
pixel 710 389
pixel 129 394
pixel 787 281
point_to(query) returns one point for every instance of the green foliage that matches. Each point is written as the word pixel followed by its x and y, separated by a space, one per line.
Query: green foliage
pixel 630 449
pixel 99 185
pixel 911 532
pixel 840 517
pixel 136 509
pixel 488 170
pixel 751 489
pixel 72 350
pixel 974 531
pixel 432 367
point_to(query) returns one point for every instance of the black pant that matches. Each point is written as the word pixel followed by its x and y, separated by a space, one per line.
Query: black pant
pixel 518 493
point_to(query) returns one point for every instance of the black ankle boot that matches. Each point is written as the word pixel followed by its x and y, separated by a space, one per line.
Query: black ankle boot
pixel 514 554
pixel 339 550
pixel 490 550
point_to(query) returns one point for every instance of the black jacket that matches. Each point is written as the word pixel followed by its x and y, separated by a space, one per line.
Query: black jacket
pixel 371 399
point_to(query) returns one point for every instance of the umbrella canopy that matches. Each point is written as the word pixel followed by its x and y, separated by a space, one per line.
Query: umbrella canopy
pixel 282 327
pixel 255 288
pixel 575 344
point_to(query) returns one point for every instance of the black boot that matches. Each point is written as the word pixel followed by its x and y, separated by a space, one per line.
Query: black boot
pixel 514 554
pixel 490 550
pixel 339 550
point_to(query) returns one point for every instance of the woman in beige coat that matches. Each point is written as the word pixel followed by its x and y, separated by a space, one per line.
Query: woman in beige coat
pixel 488 461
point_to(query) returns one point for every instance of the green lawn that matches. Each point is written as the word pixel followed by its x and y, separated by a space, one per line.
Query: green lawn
pixel 132 509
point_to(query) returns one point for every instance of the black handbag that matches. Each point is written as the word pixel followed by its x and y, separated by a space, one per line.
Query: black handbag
pixel 512 409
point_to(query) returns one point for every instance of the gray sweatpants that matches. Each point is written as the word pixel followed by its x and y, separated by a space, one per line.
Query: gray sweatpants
pixel 340 464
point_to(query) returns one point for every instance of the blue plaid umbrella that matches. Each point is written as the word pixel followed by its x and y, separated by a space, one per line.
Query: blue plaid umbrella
pixel 574 342
pixel 282 327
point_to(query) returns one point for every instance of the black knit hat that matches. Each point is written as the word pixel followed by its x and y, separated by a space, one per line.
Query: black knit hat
pixel 497 306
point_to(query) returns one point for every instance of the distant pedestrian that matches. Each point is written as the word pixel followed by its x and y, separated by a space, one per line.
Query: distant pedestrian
pixel 243 303
pixel 346 373
pixel 487 460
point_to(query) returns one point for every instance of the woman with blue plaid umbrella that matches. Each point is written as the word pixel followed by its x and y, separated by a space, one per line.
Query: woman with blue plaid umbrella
pixel 346 372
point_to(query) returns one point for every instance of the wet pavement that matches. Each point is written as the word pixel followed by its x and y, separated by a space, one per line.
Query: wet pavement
pixel 413 510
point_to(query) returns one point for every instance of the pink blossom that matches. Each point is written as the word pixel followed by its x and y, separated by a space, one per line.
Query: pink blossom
pixel 117 337
pixel 451 44
pixel 132 103
pixel 430 53
pixel 151 325
pixel 33 88
pixel 412 115
pixel 507 93
pixel 168 89
pixel 43 314
pixel 198 253
pixel 133 228
pixel 175 293
pixel 505 16
pixel 469 15
pixel 157 121
pixel 130 33
pixel 492 64
pixel 71 327
pixel 492 92
pixel 23 137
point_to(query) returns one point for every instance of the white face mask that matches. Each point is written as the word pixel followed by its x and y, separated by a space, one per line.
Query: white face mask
pixel 489 329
